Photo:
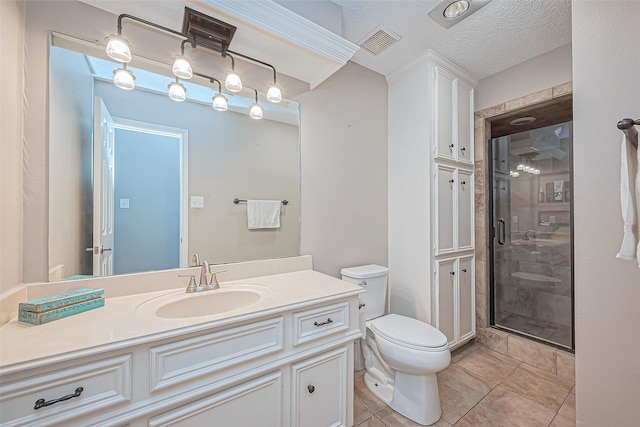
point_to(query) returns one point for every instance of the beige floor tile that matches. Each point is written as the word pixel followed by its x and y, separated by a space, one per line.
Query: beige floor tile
pixel 362 393
pixel 494 339
pixel 372 422
pixel 564 383
pixel 465 382
pixel 534 384
pixel 481 417
pixel 393 419
pixel 464 351
pixel 566 365
pixel 568 408
pixel 454 405
pixel 538 355
pixel 560 421
pixel 489 365
pixel 517 409
pixel 360 412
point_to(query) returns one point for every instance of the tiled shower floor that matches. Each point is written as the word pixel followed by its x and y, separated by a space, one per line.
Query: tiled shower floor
pixel 483 388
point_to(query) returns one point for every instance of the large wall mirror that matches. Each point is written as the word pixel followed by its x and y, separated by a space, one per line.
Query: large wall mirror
pixel 162 177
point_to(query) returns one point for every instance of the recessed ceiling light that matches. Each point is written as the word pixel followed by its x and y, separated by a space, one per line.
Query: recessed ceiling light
pixel 456 9
pixel 522 121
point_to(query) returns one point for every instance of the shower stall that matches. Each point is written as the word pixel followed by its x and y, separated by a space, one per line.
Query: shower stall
pixel 532 240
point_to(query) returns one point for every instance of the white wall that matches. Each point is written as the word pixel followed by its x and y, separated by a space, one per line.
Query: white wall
pixel 607 290
pixel 344 170
pixel 11 78
pixel 538 73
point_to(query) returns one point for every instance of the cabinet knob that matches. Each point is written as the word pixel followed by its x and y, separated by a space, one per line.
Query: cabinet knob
pixel 453 273
pixel 311 388
pixel 451 146
pixel 463 182
pixel 451 180
pixel 464 270
pixel 463 149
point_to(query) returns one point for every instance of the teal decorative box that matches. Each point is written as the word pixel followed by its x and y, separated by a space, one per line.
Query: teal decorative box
pixel 60 300
pixel 44 310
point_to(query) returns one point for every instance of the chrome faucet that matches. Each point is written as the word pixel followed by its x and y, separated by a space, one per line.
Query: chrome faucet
pixel 214 284
pixel 204 270
pixel 203 285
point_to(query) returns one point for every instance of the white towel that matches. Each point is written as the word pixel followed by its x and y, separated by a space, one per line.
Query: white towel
pixel 629 199
pixel 263 214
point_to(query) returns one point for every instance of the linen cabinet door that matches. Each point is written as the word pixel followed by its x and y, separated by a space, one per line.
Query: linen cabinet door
pixel 319 390
pixel 466 298
pixel 465 204
pixel 254 403
pixel 445 187
pixel 443 92
pixel 445 310
pixel 464 123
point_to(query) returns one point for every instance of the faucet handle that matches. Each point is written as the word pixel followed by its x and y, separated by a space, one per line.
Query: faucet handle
pixel 192 283
pixel 213 283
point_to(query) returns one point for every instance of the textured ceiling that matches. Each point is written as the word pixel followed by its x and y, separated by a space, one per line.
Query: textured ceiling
pixel 501 34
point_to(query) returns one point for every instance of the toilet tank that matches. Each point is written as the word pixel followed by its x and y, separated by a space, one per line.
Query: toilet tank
pixel 374 279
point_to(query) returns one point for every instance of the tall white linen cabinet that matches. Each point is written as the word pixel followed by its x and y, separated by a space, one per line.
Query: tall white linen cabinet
pixel 431 196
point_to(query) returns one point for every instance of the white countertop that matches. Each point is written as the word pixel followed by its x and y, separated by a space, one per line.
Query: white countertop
pixel 130 320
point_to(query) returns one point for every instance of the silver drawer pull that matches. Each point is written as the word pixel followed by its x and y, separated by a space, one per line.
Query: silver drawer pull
pixel 324 323
pixel 41 403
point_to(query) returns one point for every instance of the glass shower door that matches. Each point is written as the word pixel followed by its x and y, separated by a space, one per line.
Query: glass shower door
pixel 532 286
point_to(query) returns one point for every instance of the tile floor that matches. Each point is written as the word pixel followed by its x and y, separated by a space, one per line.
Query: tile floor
pixel 483 388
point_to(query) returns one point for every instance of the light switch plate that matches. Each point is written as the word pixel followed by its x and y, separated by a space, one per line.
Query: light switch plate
pixel 514 219
pixel 124 203
pixel 197 202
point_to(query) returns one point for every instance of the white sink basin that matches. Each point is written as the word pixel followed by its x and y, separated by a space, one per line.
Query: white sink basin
pixel 181 305
pixel 208 303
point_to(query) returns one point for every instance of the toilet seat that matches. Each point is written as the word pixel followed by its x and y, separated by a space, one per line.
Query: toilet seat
pixel 407 332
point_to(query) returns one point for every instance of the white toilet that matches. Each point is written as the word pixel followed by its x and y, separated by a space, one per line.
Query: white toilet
pixel 402 355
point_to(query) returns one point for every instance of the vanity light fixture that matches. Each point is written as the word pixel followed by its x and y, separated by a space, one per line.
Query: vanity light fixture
pixel 177 91
pixel 124 78
pixel 255 110
pixel 232 82
pixel 220 102
pixel 202 31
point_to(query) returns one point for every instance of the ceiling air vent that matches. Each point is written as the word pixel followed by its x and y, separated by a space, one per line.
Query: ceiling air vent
pixel 378 40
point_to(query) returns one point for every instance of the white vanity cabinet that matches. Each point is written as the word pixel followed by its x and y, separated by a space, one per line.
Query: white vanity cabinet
pixel 454 298
pixel 291 367
pixel 431 194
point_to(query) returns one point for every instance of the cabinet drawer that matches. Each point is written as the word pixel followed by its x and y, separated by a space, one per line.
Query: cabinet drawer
pixel 188 359
pixel 104 383
pixel 320 322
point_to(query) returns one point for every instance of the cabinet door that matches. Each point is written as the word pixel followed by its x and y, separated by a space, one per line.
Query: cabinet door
pixel 465 202
pixel 445 147
pixel 444 213
pixel 319 390
pixel 254 403
pixel 445 298
pixel 466 298
pixel 464 125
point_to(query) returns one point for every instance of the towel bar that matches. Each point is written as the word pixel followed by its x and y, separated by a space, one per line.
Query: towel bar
pixel 627 126
pixel 236 201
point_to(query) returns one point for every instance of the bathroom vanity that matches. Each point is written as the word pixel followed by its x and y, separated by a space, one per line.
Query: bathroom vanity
pixel 283 357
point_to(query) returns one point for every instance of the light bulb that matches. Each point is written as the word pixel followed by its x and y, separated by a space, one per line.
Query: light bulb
pixel 536 171
pixel 177 91
pixel 118 48
pixel 182 67
pixel 124 79
pixel 233 82
pixel 255 111
pixel 520 167
pixel 220 102
pixel 456 9
pixel 274 94
pixel 516 174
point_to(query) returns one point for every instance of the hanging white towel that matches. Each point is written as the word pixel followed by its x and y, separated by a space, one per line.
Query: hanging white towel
pixel 263 214
pixel 629 199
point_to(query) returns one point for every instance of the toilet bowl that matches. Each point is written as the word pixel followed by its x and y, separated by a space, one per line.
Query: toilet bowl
pixel 401 355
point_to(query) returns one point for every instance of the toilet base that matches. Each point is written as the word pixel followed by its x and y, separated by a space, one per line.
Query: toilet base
pixel 380 390
pixel 417 398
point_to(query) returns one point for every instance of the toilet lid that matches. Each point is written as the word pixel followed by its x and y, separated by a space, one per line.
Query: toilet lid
pixel 408 332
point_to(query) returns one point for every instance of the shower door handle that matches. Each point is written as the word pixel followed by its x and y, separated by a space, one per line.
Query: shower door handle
pixel 502 231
